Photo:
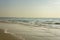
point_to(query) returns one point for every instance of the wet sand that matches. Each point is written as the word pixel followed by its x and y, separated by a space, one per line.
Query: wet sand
pixel 31 33
pixel 7 36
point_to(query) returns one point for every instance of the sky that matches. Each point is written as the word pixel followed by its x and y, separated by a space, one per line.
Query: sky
pixel 30 8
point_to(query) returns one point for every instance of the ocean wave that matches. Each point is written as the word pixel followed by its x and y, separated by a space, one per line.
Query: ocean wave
pixel 36 23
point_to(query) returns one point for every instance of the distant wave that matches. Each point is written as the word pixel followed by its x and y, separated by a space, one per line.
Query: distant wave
pixel 38 22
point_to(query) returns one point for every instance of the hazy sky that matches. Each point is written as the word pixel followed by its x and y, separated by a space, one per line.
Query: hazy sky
pixel 30 8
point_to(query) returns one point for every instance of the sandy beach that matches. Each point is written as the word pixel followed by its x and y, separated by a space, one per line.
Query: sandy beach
pixel 31 33
pixel 7 36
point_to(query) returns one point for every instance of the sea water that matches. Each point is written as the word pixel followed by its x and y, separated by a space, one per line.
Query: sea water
pixel 51 22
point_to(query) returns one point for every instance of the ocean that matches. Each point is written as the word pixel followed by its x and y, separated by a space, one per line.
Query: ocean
pixel 51 22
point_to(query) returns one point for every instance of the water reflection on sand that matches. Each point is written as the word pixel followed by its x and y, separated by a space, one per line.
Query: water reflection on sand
pixel 30 32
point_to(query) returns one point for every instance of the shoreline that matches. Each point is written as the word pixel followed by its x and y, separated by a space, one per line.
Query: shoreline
pixel 27 24
pixel 30 32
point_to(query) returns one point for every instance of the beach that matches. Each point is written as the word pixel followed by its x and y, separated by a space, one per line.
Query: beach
pixel 7 36
pixel 30 32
